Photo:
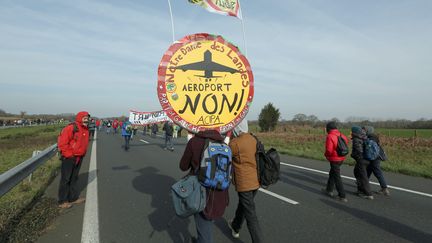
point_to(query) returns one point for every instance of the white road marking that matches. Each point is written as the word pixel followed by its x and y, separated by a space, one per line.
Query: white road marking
pixel 90 231
pixel 144 141
pixel 351 178
pixel 279 196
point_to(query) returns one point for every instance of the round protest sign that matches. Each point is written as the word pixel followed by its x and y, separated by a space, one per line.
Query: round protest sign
pixel 204 82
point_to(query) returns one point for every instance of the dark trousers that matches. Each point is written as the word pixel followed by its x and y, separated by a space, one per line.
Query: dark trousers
pixel 68 191
pixel 204 228
pixel 127 140
pixel 246 210
pixel 360 174
pixel 335 179
pixel 375 168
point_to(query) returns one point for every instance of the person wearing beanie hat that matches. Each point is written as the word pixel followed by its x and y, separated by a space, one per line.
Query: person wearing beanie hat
pixel 375 165
pixel 335 160
pixel 245 179
pixel 363 187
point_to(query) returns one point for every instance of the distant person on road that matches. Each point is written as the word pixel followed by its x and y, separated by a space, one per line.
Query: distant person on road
pixel 115 125
pixel 363 187
pixel 92 128
pixel 375 165
pixel 126 133
pixel 217 200
pixel 335 160
pixel 108 126
pixel 245 179
pixel 154 129
pixel 169 130
pixel 175 133
pixel 98 124
pixel 72 144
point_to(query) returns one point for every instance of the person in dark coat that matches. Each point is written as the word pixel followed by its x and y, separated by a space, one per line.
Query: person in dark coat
pixel 375 165
pixel 217 200
pixel 169 130
pixel 363 187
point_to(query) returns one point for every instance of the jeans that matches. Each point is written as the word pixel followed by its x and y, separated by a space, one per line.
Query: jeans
pixel 246 210
pixel 68 191
pixel 127 139
pixel 360 174
pixel 168 140
pixel 375 168
pixel 204 228
pixel 335 179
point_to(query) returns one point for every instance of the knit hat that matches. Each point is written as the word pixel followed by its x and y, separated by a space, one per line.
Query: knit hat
pixel 369 130
pixel 331 125
pixel 356 130
pixel 242 127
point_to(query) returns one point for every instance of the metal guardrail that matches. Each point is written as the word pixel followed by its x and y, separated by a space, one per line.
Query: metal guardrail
pixel 12 177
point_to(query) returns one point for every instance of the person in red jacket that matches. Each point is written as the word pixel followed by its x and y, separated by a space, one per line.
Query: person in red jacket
pixel 335 161
pixel 217 200
pixel 115 125
pixel 72 144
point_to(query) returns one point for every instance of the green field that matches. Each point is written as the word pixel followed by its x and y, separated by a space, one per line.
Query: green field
pixel 16 146
pixel 408 154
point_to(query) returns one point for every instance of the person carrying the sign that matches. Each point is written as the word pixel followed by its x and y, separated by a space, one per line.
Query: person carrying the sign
pixel 245 179
pixel 72 144
pixel 375 165
pixel 363 187
pixel 217 200
pixel 126 133
pixel 335 160
pixel 169 130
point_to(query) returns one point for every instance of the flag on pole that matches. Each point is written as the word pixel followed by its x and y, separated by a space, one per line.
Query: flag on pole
pixel 224 7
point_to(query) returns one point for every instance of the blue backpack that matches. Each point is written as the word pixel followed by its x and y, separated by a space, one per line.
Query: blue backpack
pixel 215 166
pixel 371 149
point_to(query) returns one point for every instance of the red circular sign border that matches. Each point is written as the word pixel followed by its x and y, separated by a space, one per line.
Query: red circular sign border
pixel 161 88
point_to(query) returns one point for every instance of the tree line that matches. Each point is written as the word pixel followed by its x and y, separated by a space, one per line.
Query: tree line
pixel 269 117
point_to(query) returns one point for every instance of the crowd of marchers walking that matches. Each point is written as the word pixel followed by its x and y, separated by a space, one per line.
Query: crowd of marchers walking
pixel 365 165
pixel 243 149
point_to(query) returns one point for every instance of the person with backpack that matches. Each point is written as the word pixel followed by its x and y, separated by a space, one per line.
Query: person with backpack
pixel 375 165
pixel 216 200
pixel 336 147
pixel 126 130
pixel 358 137
pixel 245 179
pixel 72 144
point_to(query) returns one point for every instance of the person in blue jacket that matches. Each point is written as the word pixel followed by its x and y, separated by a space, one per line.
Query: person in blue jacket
pixel 126 133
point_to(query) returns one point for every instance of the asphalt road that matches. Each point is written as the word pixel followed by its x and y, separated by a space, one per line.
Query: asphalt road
pixel 133 202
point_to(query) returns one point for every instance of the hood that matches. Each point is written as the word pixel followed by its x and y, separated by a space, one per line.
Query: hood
pixel 334 131
pixel 242 127
pixel 369 130
pixel 211 134
pixel 79 117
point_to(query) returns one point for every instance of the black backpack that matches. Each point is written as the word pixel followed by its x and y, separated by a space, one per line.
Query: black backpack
pixel 342 146
pixel 268 165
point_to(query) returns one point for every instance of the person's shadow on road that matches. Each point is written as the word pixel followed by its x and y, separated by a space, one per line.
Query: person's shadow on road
pixel 163 217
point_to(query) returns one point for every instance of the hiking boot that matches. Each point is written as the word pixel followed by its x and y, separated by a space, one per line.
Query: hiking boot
pixel 78 201
pixel 342 199
pixel 384 191
pixel 234 233
pixel 324 190
pixel 65 205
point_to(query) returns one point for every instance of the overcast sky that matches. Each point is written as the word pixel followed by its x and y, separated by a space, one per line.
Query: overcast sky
pixel 327 58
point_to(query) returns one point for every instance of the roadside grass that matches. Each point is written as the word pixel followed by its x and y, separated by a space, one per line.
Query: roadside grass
pixel 410 156
pixel 17 145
